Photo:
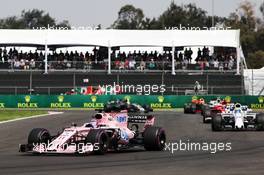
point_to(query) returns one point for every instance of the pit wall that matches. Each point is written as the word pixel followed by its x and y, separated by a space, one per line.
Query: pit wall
pixel 93 101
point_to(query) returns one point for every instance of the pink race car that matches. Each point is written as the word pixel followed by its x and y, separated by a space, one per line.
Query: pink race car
pixel 105 132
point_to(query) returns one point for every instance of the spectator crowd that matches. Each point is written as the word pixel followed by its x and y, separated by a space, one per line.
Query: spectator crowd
pixel 221 59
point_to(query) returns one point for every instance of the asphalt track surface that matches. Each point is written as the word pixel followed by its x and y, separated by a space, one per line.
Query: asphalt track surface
pixel 245 158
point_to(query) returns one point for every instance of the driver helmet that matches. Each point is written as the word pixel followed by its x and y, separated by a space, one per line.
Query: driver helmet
pixel 218 100
pixel 202 101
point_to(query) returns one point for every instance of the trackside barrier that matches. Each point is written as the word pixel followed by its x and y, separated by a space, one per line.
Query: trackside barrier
pixel 94 101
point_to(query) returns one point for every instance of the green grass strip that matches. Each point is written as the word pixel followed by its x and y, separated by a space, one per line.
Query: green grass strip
pixel 15 114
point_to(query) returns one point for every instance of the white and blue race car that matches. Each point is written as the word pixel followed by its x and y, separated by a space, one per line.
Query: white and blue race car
pixel 238 117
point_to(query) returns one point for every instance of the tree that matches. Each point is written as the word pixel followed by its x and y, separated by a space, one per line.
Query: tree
pixel 262 9
pixel 259 39
pixel 256 60
pixel 31 19
pixel 186 15
pixel 172 17
pixel 245 20
pixel 149 24
pixel 11 23
pixel 248 14
pixel 129 17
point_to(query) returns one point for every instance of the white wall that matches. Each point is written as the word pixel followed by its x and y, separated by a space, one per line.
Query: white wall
pixel 254 81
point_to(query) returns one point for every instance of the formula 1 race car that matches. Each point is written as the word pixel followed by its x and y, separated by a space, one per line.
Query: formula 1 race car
pixel 238 117
pixel 194 107
pixel 214 107
pixel 105 132
pixel 118 105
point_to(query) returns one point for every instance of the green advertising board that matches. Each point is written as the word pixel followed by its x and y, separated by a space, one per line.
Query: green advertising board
pixel 97 101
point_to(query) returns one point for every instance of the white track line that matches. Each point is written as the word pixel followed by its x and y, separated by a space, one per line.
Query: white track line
pixel 34 116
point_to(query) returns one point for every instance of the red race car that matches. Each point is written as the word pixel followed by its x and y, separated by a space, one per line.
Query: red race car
pixel 214 107
pixel 194 107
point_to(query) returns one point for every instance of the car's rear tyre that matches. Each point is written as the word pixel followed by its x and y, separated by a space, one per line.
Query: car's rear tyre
pixel 217 123
pixel 38 135
pixel 154 138
pixel 260 122
pixel 204 119
pixel 207 113
pixel 190 108
pixel 193 108
pixel 186 109
pixel 147 108
pixel 204 109
pixel 99 139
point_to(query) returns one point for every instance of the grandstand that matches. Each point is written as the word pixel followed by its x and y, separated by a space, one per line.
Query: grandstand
pixel 46 71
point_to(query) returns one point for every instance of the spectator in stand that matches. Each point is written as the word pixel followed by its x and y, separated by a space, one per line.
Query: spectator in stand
pixel 204 52
pixel 205 55
pixel 22 64
pixel 126 63
pixel 221 66
pixel 117 64
pixel 216 64
pixel 1 56
pixel 231 63
pixel 199 55
pixel 5 54
pixel 152 64
pixel 142 65
pixel 132 64
pixel 122 65
pixel 90 63
pixel 207 66
pixel 186 54
pixel 190 52
pixel 26 67
pixel 16 64
pixel 180 57
pixel 202 65
pixel 32 64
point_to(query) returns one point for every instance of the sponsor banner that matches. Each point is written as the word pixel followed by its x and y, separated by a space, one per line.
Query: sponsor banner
pixel 98 101
pixel 94 102
pixel 257 104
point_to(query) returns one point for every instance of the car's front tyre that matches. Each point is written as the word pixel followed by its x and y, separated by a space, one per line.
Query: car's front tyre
pixel 38 135
pixel 154 138
pixel 260 122
pixel 99 139
pixel 217 123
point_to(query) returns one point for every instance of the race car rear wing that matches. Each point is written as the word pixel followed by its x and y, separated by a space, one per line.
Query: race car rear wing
pixel 252 115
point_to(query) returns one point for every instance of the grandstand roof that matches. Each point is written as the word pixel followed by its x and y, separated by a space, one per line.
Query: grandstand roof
pixel 60 38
